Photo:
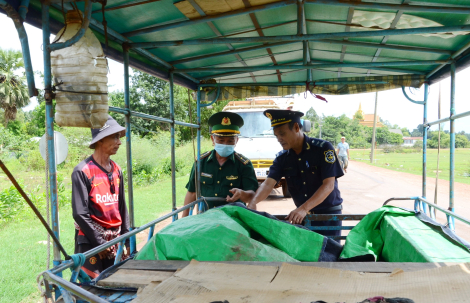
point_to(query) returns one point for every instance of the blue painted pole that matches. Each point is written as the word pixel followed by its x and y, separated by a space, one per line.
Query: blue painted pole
pixel 28 66
pixel 79 34
pixel 48 95
pixel 425 140
pixel 198 163
pixel 130 188
pixel 18 19
pixel 303 67
pixel 151 231
pixel 119 253
pixel 450 220
pixel 173 163
pixel 309 37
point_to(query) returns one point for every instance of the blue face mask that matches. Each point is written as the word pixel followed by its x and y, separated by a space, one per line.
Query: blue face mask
pixel 224 150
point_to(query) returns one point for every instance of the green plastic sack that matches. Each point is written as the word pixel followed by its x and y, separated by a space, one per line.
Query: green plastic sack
pixel 394 234
pixel 232 233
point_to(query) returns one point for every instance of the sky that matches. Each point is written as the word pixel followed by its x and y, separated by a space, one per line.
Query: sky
pixel 392 105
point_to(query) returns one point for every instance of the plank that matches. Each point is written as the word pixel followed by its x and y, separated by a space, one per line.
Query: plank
pixel 134 278
pixel 377 267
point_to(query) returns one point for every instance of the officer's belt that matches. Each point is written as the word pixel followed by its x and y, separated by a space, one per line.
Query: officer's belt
pixel 321 210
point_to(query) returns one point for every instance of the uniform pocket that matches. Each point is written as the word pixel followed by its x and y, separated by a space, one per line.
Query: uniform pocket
pixel 206 180
pixel 231 183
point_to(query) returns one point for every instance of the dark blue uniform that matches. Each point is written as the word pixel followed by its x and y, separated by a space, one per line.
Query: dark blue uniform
pixel 305 173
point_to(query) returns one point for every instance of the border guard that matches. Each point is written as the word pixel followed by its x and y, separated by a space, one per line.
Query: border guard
pixel 224 172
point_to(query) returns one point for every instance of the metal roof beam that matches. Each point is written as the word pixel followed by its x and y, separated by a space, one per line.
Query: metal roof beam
pixel 260 32
pixel 325 41
pixel 388 46
pixel 310 37
pixel 234 13
pixel 438 8
pixel 302 30
pixel 453 56
pixel 219 34
pixel 302 67
pixel 392 26
pixel 394 70
pixel 235 51
pixel 347 30
pixel 128 4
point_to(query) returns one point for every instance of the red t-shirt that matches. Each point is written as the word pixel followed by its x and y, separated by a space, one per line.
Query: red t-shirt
pixel 93 199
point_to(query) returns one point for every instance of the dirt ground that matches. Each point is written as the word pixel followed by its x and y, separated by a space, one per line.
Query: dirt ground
pixel 365 188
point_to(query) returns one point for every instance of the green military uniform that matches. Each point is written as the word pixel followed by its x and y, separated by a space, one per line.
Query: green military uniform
pixel 216 180
pixel 236 172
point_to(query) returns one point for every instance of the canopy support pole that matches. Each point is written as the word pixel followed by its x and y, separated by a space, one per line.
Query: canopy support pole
pixel 425 141
pixel 373 131
pixel 450 220
pixel 198 163
pixel 130 187
pixel 172 130
pixel 49 96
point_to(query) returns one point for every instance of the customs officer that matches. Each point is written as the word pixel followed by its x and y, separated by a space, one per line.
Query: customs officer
pixel 311 170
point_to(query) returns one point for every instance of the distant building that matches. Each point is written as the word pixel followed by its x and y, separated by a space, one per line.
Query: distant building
pixel 366 119
pixel 396 131
pixel 410 141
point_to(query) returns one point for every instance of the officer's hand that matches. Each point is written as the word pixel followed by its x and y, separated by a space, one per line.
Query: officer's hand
pixel 251 206
pixel 237 193
pixel 297 216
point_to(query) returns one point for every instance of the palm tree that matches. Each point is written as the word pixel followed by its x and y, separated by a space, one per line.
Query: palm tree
pixel 13 89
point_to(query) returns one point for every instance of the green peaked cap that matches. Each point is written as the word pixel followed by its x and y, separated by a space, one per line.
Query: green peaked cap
pixel 226 123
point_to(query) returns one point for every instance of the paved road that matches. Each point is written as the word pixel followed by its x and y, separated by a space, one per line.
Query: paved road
pixel 365 188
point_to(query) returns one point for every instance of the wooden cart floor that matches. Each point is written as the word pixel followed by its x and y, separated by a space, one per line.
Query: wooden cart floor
pixel 138 274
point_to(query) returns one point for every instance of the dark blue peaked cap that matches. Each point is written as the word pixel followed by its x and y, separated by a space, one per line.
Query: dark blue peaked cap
pixel 279 117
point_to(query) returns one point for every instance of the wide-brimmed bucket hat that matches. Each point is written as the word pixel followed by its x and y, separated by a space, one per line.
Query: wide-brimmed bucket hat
pixel 109 128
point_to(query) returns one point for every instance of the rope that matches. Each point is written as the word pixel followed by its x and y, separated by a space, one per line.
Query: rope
pixel 40 284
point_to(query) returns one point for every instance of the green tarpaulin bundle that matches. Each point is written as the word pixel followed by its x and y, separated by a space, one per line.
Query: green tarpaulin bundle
pixel 393 234
pixel 233 233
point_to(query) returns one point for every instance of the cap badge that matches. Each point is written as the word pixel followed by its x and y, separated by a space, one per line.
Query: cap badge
pixel 269 116
pixel 226 121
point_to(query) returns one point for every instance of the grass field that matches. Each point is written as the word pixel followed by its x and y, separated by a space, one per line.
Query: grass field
pixel 24 254
pixel 412 162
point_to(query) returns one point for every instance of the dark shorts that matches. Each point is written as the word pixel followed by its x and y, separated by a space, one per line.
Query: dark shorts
pixel 95 264
pixel 328 223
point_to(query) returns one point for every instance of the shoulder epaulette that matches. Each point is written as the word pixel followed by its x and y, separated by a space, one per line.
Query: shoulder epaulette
pixel 281 152
pixel 206 154
pixel 318 142
pixel 242 158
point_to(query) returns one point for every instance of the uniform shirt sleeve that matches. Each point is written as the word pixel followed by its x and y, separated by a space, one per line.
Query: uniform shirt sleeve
pixel 249 181
pixel 275 171
pixel 80 212
pixel 191 186
pixel 123 208
pixel 329 165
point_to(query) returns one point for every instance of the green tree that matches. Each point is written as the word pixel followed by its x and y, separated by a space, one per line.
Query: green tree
pixel 311 115
pixel 405 131
pixel 461 141
pixel 13 89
